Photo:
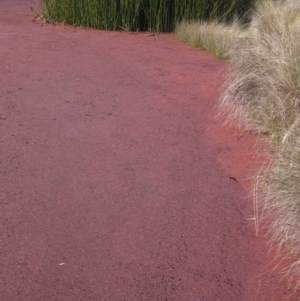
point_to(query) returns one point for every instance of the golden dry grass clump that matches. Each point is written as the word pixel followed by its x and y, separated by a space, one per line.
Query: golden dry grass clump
pixel 263 94
pixel 280 186
pixel 216 38
pixel 263 90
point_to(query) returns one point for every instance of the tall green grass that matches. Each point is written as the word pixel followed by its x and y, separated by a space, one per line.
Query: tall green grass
pixel 142 15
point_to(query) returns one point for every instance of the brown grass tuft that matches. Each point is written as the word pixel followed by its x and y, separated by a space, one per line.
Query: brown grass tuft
pixel 263 94
pixel 216 38
pixel 263 91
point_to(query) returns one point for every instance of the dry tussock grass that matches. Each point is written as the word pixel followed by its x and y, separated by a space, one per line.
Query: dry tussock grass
pixel 263 94
pixel 280 186
pixel 216 38
pixel 264 87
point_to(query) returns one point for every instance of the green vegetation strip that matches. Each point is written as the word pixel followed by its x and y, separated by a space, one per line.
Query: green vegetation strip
pixel 140 15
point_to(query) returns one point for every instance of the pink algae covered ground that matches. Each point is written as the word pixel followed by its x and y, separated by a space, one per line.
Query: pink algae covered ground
pixel 117 181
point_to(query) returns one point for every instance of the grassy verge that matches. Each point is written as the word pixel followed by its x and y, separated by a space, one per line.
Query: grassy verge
pixel 217 38
pixel 142 15
pixel 264 86
pixel 262 94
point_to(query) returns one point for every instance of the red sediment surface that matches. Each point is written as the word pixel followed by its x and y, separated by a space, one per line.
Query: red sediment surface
pixel 117 181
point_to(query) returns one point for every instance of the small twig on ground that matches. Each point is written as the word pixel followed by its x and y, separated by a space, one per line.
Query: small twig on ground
pixel 152 35
pixel 39 17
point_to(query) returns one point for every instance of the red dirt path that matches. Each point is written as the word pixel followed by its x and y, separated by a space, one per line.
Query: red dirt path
pixel 116 176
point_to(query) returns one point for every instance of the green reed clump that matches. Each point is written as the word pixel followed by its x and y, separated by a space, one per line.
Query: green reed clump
pixel 142 15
